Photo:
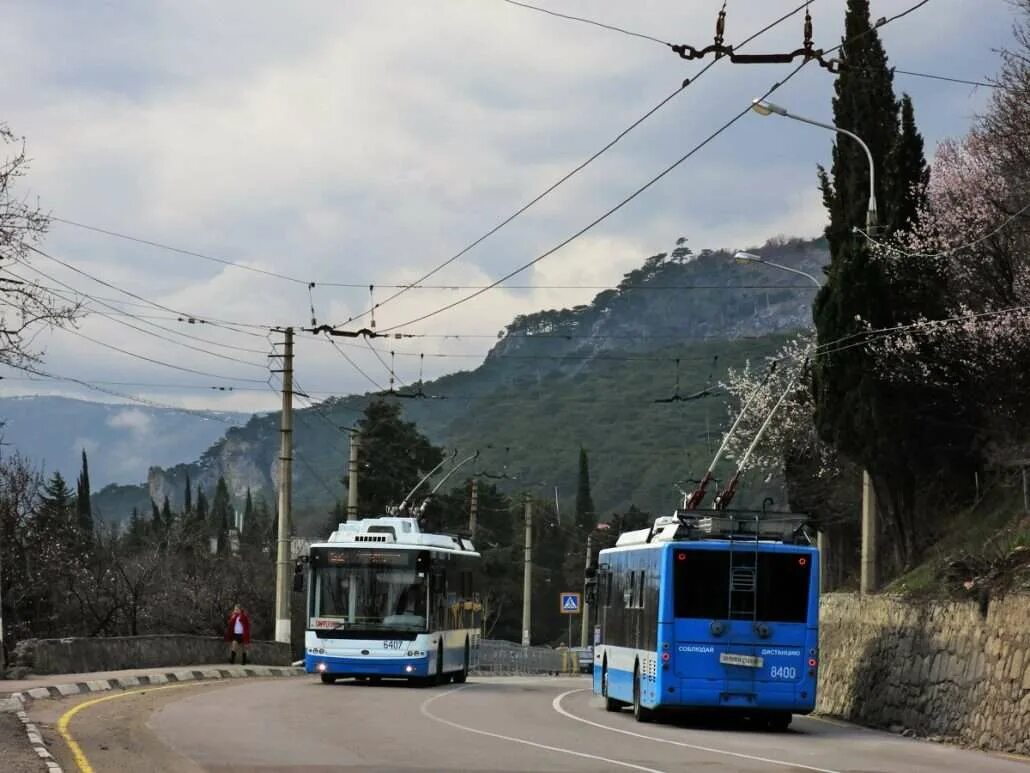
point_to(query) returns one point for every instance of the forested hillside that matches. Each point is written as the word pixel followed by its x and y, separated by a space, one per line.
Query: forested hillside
pixel 555 381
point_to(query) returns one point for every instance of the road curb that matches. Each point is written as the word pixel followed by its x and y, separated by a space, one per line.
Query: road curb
pixel 37 742
pixel 19 700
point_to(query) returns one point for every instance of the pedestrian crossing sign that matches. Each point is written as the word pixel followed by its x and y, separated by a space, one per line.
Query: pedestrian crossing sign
pixel 570 603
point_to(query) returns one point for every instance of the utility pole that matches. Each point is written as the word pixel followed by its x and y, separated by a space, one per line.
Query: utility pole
pixel 282 563
pixel 352 475
pixel 586 606
pixel 3 656
pixel 868 581
pixel 474 508
pixel 527 577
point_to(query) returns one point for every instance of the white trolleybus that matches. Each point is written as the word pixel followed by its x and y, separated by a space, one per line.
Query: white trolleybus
pixel 387 600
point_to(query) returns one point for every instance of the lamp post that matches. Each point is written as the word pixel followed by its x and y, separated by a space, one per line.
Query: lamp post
pixel 869 520
pixel 749 257
pixel 764 108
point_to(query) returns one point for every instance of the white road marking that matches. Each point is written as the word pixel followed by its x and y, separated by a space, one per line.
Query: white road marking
pixel 556 705
pixel 424 709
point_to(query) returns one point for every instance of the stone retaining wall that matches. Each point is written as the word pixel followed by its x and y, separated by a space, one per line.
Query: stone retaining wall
pixel 940 669
pixel 74 656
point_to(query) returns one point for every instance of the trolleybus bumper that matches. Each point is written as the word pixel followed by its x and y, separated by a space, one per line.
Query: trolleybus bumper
pixel 387 667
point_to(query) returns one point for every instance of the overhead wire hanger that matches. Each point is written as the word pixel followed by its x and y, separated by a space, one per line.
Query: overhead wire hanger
pixel 706 392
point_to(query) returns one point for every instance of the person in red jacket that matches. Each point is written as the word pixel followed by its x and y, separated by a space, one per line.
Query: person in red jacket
pixel 238 632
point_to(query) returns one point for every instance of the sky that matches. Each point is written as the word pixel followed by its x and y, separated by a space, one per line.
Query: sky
pixel 364 143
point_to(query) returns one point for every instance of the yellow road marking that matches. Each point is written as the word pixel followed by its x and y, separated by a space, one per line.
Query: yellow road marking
pixel 66 718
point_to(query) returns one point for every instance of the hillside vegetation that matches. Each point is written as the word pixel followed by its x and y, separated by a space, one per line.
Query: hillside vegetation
pixel 557 380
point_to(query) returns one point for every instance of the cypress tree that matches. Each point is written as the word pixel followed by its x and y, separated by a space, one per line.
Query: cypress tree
pixel 187 499
pixel 54 514
pixel 166 514
pixel 221 516
pixel 83 506
pixel 873 423
pixel 586 518
pixel 136 534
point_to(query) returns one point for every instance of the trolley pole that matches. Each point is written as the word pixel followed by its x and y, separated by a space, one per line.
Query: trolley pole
pixel 282 563
pixel 352 475
pixel 474 508
pixel 527 577
pixel 585 614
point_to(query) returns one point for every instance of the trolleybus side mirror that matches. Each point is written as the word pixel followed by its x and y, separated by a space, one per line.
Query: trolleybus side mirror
pixel 591 571
pixel 298 577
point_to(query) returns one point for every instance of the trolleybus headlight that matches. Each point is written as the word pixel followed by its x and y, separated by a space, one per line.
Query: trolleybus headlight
pixel 409 669
pixel 321 667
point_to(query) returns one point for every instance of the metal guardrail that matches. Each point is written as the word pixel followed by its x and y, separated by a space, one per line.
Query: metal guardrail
pixel 505 657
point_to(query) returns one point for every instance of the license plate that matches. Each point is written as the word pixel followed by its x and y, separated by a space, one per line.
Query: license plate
pixel 393 645
pixel 732 659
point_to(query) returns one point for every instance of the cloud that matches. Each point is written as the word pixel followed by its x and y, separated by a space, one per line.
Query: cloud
pixel 131 419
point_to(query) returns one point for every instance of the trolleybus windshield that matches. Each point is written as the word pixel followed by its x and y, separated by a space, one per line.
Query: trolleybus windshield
pixel 367 589
pixel 702 584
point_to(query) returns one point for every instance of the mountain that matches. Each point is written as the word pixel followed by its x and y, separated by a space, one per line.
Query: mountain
pixel 122 441
pixel 557 380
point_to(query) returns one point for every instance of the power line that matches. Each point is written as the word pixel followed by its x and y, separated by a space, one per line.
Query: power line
pixel 588 21
pixel 577 169
pixel 131 294
pixel 944 253
pixel 948 79
pixel 353 364
pixel 181 251
pixel 154 361
pixel 651 182
pixel 132 398
pixel 158 335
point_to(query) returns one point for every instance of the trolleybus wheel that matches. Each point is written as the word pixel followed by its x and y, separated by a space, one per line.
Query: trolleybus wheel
pixel 328 679
pixel 461 676
pixel 440 678
pixel 610 704
pixel 779 721
pixel 640 713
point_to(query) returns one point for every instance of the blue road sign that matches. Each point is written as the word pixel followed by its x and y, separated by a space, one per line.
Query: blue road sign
pixel 570 603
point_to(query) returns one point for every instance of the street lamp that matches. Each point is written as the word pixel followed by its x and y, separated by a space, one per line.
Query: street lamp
pixel 764 108
pixel 748 257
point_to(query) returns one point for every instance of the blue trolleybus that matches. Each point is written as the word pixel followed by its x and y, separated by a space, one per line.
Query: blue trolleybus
pixel 717 613
pixel 388 600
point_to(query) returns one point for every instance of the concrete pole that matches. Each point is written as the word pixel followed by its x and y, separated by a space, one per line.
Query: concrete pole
pixel 585 613
pixel 474 508
pixel 352 475
pixel 282 563
pixel 527 575
pixel 3 658
pixel 869 533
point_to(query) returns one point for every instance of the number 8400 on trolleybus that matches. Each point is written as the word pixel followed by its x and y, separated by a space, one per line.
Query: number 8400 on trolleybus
pixel 717 613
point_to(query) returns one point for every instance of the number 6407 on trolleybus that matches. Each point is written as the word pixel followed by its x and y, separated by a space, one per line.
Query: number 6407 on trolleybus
pixel 387 600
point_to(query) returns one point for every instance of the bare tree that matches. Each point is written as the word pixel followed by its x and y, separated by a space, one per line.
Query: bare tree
pixel 26 307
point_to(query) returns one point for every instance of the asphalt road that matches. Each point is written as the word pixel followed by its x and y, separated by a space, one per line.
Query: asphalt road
pixel 495 724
